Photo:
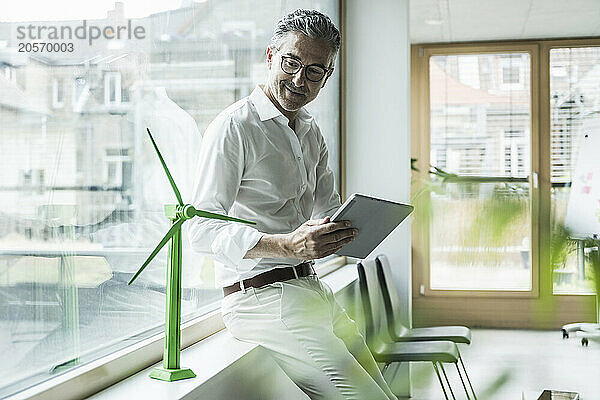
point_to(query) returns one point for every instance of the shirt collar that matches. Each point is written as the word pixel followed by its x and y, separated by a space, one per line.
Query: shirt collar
pixel 267 110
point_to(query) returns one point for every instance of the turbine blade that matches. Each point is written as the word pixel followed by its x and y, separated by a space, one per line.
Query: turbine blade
pixel 162 161
pixel 206 214
pixel 163 241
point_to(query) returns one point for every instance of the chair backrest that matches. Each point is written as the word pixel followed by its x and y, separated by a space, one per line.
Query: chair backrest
pixel 366 302
pixel 391 299
pixel 372 304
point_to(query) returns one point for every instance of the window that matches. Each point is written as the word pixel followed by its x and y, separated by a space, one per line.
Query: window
pixel 116 161
pixel 507 160
pixel 26 178
pixel 58 93
pixel 522 165
pixel 510 74
pixel 10 73
pixel 512 70
pixel 112 88
pixel 80 92
pixel 67 252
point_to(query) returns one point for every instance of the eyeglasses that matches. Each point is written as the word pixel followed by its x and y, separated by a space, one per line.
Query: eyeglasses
pixel 313 72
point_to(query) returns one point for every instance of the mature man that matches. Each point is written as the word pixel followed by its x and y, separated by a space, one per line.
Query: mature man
pixel 264 159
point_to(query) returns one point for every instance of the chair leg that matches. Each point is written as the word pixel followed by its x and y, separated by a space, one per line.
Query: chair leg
pixel 447 381
pixel 467 375
pixel 462 381
pixel 440 379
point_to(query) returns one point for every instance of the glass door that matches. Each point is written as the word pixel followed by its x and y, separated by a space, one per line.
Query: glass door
pixel 480 128
pixel 496 133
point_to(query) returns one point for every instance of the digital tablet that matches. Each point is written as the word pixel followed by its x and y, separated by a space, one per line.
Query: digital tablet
pixel 374 218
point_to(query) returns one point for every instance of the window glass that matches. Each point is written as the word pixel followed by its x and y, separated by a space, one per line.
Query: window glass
pixel 574 100
pixel 479 216
pixel 82 191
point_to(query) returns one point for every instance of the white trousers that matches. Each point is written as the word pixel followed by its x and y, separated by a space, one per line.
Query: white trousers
pixel 310 337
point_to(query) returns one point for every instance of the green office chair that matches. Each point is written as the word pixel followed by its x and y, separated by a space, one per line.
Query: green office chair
pixel 400 333
pixel 386 351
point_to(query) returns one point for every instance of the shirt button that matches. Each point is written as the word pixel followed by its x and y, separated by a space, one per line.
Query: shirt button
pixel 299 158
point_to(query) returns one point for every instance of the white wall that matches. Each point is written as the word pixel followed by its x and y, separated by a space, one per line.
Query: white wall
pixel 377 123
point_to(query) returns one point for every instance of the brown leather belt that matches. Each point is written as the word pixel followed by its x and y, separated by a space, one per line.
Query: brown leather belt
pixel 272 276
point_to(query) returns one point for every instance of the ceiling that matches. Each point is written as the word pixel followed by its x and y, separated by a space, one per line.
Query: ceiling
pixel 434 21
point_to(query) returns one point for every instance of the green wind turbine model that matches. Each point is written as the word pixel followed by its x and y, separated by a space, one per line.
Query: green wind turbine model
pixel 178 214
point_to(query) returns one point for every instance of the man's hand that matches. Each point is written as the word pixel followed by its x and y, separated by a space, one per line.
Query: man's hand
pixel 314 239
pixel 318 238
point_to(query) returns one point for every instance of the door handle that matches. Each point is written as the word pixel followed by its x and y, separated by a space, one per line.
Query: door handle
pixel 534 180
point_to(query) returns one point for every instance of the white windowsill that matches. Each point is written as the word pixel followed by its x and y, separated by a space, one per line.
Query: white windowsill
pixel 206 358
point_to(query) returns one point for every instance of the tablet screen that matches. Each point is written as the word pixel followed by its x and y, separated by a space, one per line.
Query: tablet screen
pixel 374 218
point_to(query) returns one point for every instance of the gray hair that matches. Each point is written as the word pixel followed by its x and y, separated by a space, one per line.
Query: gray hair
pixel 310 23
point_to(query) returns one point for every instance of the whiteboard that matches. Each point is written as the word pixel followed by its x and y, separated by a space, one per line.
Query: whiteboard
pixel 583 210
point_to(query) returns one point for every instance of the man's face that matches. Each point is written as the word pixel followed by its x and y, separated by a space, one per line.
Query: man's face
pixel 294 91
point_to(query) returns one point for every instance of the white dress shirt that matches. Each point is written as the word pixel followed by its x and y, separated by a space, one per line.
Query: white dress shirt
pixel 252 165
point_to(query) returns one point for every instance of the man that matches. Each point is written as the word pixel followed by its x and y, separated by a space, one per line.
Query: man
pixel 264 159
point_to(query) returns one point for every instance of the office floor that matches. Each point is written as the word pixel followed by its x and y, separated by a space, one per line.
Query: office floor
pixel 504 363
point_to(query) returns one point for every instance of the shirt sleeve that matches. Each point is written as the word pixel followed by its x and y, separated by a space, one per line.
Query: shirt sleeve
pixel 218 175
pixel 327 199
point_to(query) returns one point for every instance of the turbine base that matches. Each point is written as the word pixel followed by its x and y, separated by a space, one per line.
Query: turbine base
pixel 171 375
